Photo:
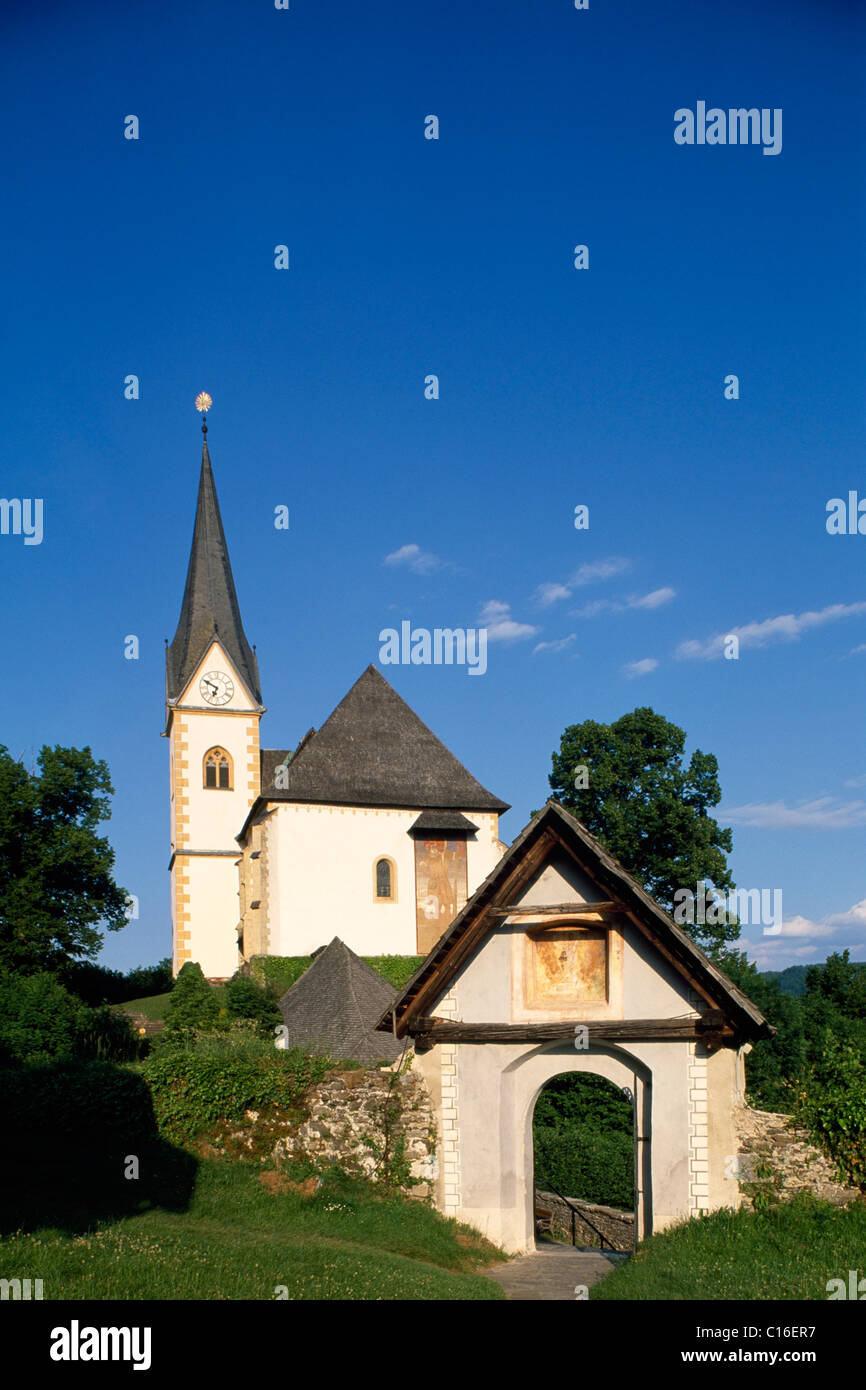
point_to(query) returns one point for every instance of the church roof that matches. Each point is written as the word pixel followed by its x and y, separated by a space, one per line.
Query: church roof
pixel 430 821
pixel 270 760
pixel 551 829
pixel 334 1007
pixel 375 751
pixel 210 606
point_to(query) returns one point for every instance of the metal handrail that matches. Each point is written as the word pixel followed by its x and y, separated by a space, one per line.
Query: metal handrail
pixel 577 1210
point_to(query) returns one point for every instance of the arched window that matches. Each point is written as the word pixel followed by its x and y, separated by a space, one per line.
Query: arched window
pixel 385 881
pixel 217 770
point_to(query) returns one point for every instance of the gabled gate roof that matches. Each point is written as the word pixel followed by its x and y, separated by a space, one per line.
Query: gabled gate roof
pixel 551 829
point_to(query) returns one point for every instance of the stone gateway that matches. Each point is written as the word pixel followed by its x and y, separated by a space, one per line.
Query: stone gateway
pixel 560 962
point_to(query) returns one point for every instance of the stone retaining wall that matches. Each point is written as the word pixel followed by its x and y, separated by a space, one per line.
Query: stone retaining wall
pixel 773 1140
pixel 616 1226
pixel 360 1119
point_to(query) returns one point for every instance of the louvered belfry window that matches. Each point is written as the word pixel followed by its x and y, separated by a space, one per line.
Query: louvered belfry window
pixel 217 770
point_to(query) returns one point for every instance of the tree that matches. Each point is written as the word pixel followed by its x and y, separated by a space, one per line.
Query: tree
pixel 144 980
pixel 774 1064
pixel 627 783
pixel 43 1022
pixel 193 1003
pixel 247 999
pixel 57 893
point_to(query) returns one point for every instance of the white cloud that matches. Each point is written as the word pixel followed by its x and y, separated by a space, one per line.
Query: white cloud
pixel 599 569
pixel 823 813
pixel 765 949
pixel 557 646
pixel 640 668
pixel 596 606
pixel 501 627
pixel 652 600
pixel 787 627
pixel 590 573
pixel 418 560
pixel 546 594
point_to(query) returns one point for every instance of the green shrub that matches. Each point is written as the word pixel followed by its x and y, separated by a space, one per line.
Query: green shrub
pixel 193 1003
pixel 200 1078
pixel 584 1148
pixel 832 1104
pixel 96 984
pixel 143 980
pixel 585 1164
pixel 42 1022
pixel 93 983
pixel 397 970
pixel 278 973
pixel 75 1099
pixel 246 998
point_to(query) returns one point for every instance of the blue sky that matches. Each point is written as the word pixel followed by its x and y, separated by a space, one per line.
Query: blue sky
pixel 558 387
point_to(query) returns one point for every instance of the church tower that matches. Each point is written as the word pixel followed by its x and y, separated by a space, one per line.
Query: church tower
pixel 213 708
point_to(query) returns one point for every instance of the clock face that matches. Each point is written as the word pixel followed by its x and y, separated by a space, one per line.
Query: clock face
pixel 216 688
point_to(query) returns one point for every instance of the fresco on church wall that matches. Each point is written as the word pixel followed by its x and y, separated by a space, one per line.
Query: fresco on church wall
pixel 440 887
pixel 568 964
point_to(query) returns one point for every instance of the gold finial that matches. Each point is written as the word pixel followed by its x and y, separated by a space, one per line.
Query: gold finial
pixel 203 403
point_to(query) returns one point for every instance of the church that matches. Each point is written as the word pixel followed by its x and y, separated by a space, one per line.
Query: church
pixel 369 828
pixel 540 959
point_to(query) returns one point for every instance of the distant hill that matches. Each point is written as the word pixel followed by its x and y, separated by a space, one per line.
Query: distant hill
pixel 793 980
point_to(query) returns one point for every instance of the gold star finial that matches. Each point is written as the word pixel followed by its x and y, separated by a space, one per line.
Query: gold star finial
pixel 203 403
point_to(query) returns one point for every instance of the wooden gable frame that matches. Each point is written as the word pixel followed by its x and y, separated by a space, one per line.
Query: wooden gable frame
pixel 731 1015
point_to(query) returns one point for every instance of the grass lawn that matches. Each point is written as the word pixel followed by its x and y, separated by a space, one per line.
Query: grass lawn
pixel 153 1006
pixel 789 1252
pixel 236 1240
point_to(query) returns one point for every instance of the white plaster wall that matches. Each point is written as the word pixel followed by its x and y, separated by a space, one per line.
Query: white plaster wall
pixel 215 659
pixel 651 986
pixel 321 863
pixel 213 928
pixel 216 816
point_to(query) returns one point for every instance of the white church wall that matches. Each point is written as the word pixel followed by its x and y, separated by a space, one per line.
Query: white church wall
pixel 321 876
pixel 213 888
pixel 215 659
pixel 205 901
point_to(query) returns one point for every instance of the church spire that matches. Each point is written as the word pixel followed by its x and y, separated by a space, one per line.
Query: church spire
pixel 210 606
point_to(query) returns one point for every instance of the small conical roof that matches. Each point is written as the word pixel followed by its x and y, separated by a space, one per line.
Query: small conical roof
pixel 335 1005
pixel 210 606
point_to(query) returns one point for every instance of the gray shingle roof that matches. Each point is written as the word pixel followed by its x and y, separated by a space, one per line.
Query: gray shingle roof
pixel 210 605
pixel 270 760
pixel 375 751
pixel 430 821
pixel 335 1005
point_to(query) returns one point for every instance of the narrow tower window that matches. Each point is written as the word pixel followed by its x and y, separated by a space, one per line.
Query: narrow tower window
pixel 217 770
pixel 385 880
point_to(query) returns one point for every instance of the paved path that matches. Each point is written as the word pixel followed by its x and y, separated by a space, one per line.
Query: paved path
pixel 552 1272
